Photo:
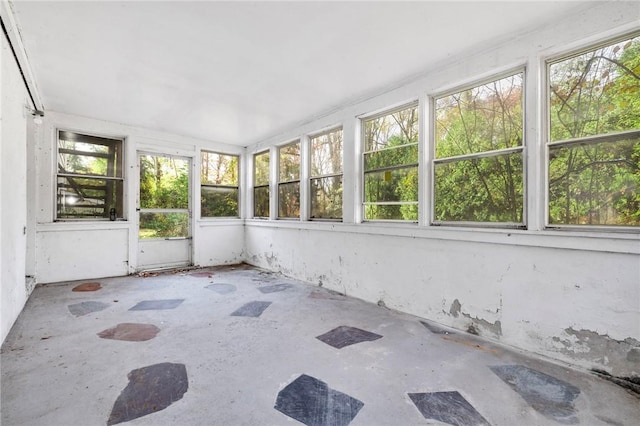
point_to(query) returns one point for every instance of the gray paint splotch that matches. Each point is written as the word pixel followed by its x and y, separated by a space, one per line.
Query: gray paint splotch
pixel 447 407
pixel 313 403
pixel 274 288
pixel 343 336
pixel 222 288
pixel 551 397
pixel 84 308
pixel 252 309
pixel 152 305
pixel 150 389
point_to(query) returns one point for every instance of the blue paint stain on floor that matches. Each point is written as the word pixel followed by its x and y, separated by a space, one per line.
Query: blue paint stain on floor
pixel 343 336
pixel 313 403
pixel 252 309
pixel 150 389
pixel 151 305
pixel 447 407
pixel 274 288
pixel 551 397
pixel 84 308
pixel 221 288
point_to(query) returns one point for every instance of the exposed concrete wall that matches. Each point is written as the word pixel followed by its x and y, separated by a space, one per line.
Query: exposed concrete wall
pixel 571 295
pixel 13 199
pixel 76 250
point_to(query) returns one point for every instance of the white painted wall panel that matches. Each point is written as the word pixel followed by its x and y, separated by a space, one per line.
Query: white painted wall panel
pixel 75 254
pixel 13 199
pixel 218 244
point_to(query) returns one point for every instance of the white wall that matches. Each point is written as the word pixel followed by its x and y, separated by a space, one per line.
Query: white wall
pixel 73 250
pixel 13 199
pixel 571 295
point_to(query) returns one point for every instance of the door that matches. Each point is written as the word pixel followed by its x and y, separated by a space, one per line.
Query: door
pixel 164 211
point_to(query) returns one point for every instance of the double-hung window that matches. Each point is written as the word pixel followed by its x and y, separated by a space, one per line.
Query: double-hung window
pixel 219 185
pixel 261 185
pixel 89 177
pixel 325 178
pixel 289 181
pixel 478 162
pixel 594 136
pixel 391 165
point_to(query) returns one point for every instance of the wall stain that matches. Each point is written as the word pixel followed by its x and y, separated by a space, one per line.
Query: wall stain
pixel 477 324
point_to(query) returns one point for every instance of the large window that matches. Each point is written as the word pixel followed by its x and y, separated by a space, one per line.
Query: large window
pixel 89 177
pixel 219 185
pixel 261 184
pixel 478 165
pixel 594 136
pixel 391 165
pixel 289 180
pixel 326 175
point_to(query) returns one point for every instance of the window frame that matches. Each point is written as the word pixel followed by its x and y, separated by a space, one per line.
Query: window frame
pixel 312 177
pixel 210 185
pixel 363 120
pixel 522 149
pixel 266 185
pixel 547 143
pixel 281 182
pixel 119 144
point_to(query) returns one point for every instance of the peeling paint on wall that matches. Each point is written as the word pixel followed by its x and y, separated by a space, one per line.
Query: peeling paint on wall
pixel 611 355
pixel 477 326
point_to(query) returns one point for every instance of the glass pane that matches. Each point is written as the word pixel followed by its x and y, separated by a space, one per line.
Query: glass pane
pixel 219 169
pixel 164 182
pixel 261 168
pixel 391 157
pixel 218 202
pixel 597 184
pixel 326 153
pixel 480 190
pixel 391 212
pixel 289 199
pixel 399 128
pixel 163 225
pixel 326 198
pixel 391 185
pixel 483 118
pixel 261 201
pixel 597 92
pixel 80 197
pixel 87 158
pixel 289 162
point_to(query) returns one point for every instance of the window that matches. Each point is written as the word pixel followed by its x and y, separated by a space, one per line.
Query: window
pixel 289 180
pixel 391 165
pixel 261 184
pixel 326 175
pixel 594 136
pixel 478 162
pixel 89 177
pixel 219 185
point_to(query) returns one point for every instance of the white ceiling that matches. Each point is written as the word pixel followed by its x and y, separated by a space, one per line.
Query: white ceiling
pixel 239 72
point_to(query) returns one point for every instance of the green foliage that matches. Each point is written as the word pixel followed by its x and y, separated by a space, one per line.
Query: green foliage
pixel 483 119
pixel 219 185
pixel 391 166
pixel 594 94
pixel 326 159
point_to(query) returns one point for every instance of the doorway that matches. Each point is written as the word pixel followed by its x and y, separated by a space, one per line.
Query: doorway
pixel 164 211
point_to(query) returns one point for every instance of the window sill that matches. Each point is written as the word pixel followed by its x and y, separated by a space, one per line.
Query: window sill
pixel 576 240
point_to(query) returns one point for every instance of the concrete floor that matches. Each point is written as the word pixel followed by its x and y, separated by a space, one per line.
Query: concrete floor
pixel 217 361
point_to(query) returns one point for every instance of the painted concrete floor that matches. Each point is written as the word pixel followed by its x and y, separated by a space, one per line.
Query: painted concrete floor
pixel 242 346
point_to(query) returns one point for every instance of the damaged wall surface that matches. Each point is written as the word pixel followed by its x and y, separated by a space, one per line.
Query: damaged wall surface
pixel 580 306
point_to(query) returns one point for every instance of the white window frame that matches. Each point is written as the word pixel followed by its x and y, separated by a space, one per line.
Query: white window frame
pixel 363 120
pixel 546 130
pixel 291 181
pixel 210 185
pixel 120 215
pixel 265 185
pixel 522 149
pixel 313 177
